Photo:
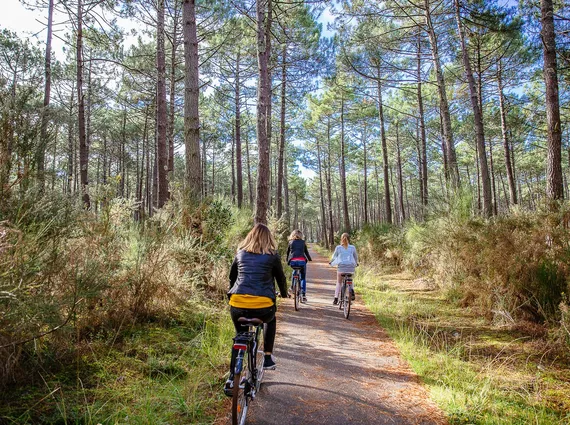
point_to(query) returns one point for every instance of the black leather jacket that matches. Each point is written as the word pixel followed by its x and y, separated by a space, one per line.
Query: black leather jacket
pixel 254 274
pixel 297 248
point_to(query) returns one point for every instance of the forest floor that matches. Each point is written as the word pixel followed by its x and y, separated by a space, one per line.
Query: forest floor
pixel 336 371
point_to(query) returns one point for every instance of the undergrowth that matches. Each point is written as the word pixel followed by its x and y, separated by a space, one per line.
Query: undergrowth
pixel 477 373
pixel 107 320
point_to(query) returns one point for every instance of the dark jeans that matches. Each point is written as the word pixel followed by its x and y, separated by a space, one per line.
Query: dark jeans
pixel 266 314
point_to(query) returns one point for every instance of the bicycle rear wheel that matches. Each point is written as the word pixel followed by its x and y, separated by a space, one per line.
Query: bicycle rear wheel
pixel 347 300
pixel 240 398
pixel 296 292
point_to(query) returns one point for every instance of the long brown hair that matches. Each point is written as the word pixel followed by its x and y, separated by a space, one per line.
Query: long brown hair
pixel 259 240
pixel 344 240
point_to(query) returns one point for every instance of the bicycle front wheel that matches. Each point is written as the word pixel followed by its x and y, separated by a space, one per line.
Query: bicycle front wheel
pixel 347 301
pixel 240 400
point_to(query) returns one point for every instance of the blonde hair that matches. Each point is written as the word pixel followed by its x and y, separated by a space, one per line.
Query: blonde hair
pixel 344 240
pixel 259 240
pixel 295 234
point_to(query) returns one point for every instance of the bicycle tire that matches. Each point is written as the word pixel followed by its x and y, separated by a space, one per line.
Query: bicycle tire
pixel 259 359
pixel 296 292
pixel 240 400
pixel 347 301
pixel 341 297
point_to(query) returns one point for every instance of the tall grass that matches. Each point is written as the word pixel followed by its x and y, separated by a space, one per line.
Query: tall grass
pixel 477 374
pixel 98 311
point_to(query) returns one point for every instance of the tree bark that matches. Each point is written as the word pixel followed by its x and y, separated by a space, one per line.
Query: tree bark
pixel 282 133
pixel 387 200
pixel 239 172
pixel 479 129
pixel 444 105
pixel 191 97
pixel 423 158
pixel 504 133
pixel 329 185
pixel 554 184
pixel 400 176
pixel 346 217
pixel 323 213
pixel 263 101
pixel 83 146
pixel 161 113
pixel 42 146
pixel 365 189
pixel 172 100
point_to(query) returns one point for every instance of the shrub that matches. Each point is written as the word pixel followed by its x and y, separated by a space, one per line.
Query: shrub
pixel 69 275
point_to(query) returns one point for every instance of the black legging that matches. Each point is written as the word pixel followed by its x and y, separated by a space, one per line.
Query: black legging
pixel 266 314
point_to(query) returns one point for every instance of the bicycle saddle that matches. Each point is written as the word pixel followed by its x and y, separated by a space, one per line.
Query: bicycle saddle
pixel 251 322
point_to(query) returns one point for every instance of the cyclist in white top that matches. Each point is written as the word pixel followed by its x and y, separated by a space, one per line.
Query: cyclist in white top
pixel 346 258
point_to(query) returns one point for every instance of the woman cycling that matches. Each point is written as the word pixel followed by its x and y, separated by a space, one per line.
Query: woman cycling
pixel 297 256
pixel 254 271
pixel 346 258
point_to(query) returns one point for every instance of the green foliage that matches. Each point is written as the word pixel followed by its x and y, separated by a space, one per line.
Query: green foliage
pixel 69 276
pixel 513 268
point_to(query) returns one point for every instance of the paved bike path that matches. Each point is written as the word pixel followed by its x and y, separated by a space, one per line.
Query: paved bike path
pixel 335 371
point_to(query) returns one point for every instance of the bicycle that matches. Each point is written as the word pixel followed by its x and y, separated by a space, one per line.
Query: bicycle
pixel 296 286
pixel 346 294
pixel 248 368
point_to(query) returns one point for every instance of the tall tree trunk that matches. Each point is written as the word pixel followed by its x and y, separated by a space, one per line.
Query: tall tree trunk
pixel 249 179
pixel 264 17
pixel 191 97
pixel 495 202
pixel 343 170
pixel 365 189
pixel 504 133
pixel 423 158
pixel 233 188
pixel 122 159
pixel 387 200
pixel 172 99
pixel 554 185
pixel 282 133
pixel 83 146
pixel 239 172
pixel 161 113
pixel 329 185
pixel 323 213
pixel 400 176
pixel 444 105
pixel 479 129
pixel 42 146
pixel 70 143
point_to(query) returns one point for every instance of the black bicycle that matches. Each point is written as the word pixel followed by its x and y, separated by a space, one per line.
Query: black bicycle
pixel 296 286
pixel 248 369
pixel 346 294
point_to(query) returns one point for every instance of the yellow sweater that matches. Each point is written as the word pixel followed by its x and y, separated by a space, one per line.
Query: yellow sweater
pixel 250 301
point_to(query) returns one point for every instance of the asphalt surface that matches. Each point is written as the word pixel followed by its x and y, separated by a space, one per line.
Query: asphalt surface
pixel 335 371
